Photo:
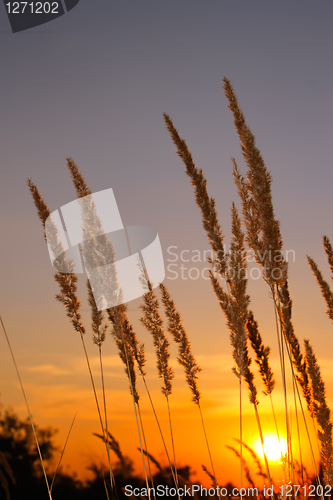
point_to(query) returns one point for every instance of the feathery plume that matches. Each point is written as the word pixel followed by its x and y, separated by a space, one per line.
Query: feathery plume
pixel 255 458
pixel 97 250
pixel 210 475
pixel 264 237
pixel 185 358
pixel 262 353
pixel 42 209
pixel 329 252
pixel 235 303
pixel 323 285
pixel 154 324
pixel 263 230
pixel 99 331
pixel 115 447
pixel 99 254
pixel 99 259
pixel 235 272
pixel 231 267
pixel 66 281
pixel 125 464
pixel 77 178
pixel 206 204
pixel 245 466
pixel 321 412
pixel 153 460
pixel 121 333
pixel 289 333
pixel 136 347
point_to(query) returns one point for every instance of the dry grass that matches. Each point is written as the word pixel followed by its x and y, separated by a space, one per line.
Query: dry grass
pixel 256 230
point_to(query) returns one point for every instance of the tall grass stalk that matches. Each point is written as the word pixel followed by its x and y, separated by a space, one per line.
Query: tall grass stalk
pixel 141 446
pixel 99 253
pixel 127 344
pixel 279 334
pixel 228 279
pixel 153 460
pixel 263 446
pixel 112 479
pixel 262 353
pixel 245 466
pixel 230 267
pixel 255 458
pixel 315 468
pixel 323 285
pixel 121 335
pixel 139 356
pixel 154 324
pixel 241 432
pixel 160 431
pixel 185 358
pixel 144 450
pixel 298 431
pixel 63 452
pixel 172 442
pixel 67 281
pixel 319 409
pixel 322 413
pixel 99 335
pixel 28 408
pixel 262 229
pixel 264 238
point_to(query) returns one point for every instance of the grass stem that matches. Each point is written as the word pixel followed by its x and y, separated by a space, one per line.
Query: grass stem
pixel 28 408
pixel 208 447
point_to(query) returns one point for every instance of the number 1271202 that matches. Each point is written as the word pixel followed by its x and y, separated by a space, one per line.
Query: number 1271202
pixel 32 7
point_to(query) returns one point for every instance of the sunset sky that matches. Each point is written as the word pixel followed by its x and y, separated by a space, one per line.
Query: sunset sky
pixel 93 85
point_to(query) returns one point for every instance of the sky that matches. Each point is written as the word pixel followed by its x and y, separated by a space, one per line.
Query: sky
pixel 93 85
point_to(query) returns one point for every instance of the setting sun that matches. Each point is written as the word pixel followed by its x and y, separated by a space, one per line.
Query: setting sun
pixel 273 447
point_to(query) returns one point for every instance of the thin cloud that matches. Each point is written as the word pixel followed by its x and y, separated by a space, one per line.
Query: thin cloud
pixel 49 369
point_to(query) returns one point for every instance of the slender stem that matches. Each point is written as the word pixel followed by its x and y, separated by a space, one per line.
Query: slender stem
pixel 284 342
pixel 262 444
pixel 63 451
pixel 27 405
pixel 105 438
pixel 275 421
pixel 316 433
pixel 297 389
pixel 241 431
pixel 106 420
pixel 146 448
pixel 159 428
pixel 208 448
pixel 304 418
pixel 279 332
pixel 298 431
pixel 105 485
pixel 135 412
pixel 172 440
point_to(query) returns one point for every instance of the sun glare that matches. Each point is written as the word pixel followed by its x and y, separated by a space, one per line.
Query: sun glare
pixel 273 447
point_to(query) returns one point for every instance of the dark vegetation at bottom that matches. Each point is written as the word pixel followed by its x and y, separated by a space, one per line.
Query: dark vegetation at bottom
pixel 21 477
